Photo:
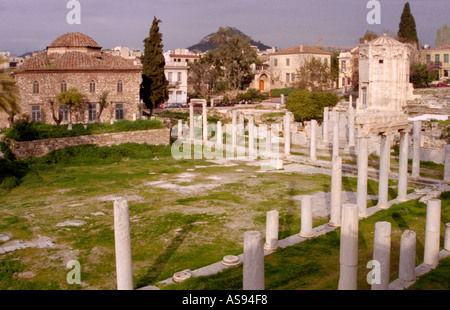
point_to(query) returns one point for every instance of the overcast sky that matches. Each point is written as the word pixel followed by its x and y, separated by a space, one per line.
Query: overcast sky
pixel 30 25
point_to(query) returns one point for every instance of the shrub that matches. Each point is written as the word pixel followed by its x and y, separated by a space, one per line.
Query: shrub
pixel 306 105
pixel 278 91
pixel 252 94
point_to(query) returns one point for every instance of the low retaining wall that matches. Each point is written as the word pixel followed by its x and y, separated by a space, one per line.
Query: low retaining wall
pixel 37 148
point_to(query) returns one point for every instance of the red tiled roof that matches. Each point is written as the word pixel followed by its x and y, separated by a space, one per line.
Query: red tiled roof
pixel 74 39
pixel 305 50
pixel 77 60
pixel 444 47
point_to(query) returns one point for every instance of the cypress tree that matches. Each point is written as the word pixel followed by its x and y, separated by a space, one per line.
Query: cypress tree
pixel 154 82
pixel 407 28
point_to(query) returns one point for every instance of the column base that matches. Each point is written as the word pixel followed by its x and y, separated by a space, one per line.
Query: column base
pixel 382 206
pixel 287 156
pixel 400 199
pixel 270 248
pixel 307 235
pixel 363 215
pixel 313 158
pixel 334 224
pixel 415 177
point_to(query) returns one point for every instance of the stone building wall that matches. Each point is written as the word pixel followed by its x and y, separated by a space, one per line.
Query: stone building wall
pixel 50 86
pixel 39 148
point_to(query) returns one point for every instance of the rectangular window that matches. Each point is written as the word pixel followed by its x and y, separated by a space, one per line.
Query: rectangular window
pixel 36 113
pixel 170 76
pixel 437 58
pixel 64 112
pixel 92 112
pixel 288 78
pixel 428 58
pixel 119 111
pixel 287 61
pixel 343 64
pixel 445 57
pixel 275 62
pixel 179 77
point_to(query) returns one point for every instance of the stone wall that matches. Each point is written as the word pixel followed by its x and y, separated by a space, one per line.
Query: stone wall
pixel 39 148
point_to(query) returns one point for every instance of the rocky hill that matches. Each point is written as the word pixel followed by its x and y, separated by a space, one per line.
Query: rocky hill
pixel 204 44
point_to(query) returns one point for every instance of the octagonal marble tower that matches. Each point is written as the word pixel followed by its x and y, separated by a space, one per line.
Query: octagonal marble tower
pixel 383 86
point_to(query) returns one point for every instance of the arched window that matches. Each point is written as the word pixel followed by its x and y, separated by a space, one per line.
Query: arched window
pixel 119 86
pixel 92 86
pixel 35 87
pixel 63 86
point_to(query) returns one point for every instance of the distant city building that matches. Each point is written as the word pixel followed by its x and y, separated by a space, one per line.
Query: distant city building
pixel 11 62
pixel 280 68
pixel 438 61
pixel 348 69
pixel 74 60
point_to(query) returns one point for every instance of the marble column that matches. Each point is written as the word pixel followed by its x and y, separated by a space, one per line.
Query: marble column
pixel 351 126
pixel 403 167
pixel 287 135
pixel 447 237
pixel 415 173
pixel 336 193
pixel 251 138
pixel 180 129
pixel 191 122
pixel 234 130
pixel 253 262
pixel 325 125
pixel 432 232
pixel 122 238
pixel 241 125
pixel 362 176
pixel 272 226
pixel 269 142
pixel 335 134
pixel 312 145
pixel 219 134
pixel 348 254
pixel 447 164
pixel 383 179
pixel 205 123
pixel 382 253
pixel 307 218
pixel 350 101
pixel 407 267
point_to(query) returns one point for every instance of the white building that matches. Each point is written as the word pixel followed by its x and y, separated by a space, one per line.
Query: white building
pixel 177 75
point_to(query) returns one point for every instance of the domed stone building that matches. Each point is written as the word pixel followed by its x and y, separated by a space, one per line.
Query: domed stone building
pixel 75 60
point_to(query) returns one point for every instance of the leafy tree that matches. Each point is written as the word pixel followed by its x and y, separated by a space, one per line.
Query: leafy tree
pixel 9 95
pixel 368 36
pixel 154 83
pixel 233 58
pixel 71 97
pixel 419 75
pixel 442 36
pixel 306 105
pixel 203 77
pixel 314 75
pixel 407 32
pixel 103 103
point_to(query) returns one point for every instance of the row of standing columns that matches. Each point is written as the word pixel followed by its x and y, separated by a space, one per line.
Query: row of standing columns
pixel 382 248
pixel 237 130
pixel 253 258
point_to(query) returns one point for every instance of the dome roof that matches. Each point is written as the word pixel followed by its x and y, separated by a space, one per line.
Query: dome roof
pixel 74 39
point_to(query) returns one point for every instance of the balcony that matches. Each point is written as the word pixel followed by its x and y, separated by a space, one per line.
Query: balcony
pixel 174 84
pixel 435 64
